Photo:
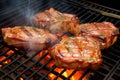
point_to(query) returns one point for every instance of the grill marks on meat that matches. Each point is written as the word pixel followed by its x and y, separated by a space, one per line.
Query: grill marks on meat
pixel 55 21
pixel 77 53
pixel 28 38
pixel 105 33
pixel 27 32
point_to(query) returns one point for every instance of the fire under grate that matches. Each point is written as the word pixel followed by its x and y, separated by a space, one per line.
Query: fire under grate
pixel 16 65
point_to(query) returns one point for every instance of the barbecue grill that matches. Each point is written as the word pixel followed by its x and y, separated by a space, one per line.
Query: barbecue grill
pixel 15 64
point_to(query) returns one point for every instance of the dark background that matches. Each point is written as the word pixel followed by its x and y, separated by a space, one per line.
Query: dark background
pixel 109 3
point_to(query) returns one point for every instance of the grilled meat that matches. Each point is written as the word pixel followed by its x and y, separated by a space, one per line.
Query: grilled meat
pixel 77 53
pixel 28 38
pixel 55 21
pixel 105 33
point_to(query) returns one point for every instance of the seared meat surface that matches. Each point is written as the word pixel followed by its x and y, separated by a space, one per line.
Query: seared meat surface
pixel 55 21
pixel 82 51
pixel 77 53
pixel 105 33
pixel 28 38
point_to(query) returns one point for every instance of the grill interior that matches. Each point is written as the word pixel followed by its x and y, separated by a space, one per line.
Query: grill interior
pixel 22 67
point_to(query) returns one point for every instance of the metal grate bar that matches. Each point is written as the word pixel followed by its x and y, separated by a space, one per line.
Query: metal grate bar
pixel 60 74
pixel 14 60
pixel 33 65
pixel 108 76
pixel 111 56
pixel 17 66
pixel 39 70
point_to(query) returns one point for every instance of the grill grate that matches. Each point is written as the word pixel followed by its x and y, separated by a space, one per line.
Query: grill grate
pixel 22 67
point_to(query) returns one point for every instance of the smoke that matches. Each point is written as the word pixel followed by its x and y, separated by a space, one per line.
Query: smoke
pixel 27 12
pixel 22 11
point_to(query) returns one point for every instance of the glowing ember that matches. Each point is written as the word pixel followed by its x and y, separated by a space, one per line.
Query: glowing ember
pixel 58 69
pixel 0 66
pixel 52 76
pixel 20 78
pixel 2 58
pixel 41 54
pixel 7 61
pixel 66 74
pixel 76 76
pixel 10 52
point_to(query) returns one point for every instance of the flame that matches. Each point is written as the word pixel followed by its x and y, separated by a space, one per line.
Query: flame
pixel 67 73
pixel 76 76
pixel 51 75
